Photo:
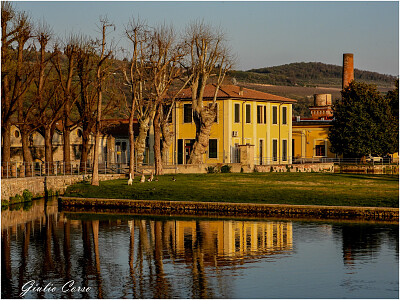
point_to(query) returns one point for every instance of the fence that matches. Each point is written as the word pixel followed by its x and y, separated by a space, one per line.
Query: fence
pixel 59 168
pixel 23 169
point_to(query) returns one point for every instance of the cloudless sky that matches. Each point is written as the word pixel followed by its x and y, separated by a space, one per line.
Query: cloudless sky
pixel 261 34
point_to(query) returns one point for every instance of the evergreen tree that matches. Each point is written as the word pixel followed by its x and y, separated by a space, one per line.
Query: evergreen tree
pixel 363 123
pixel 393 98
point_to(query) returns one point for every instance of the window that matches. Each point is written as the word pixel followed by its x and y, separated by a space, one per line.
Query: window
pixel 215 110
pixel 274 150
pixel 248 113
pixel 212 148
pixel 320 150
pixel 284 150
pixel 284 115
pixel 187 113
pixel 265 115
pixel 166 109
pixel 293 155
pixel 274 115
pixel 237 112
pixel 259 114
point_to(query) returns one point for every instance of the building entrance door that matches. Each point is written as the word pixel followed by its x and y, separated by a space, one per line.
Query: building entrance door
pixel 188 149
pixel 121 151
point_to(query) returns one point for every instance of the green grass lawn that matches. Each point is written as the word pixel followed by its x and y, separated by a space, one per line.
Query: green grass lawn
pixel 268 188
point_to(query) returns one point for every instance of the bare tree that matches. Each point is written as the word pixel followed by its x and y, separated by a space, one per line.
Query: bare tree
pixel 16 76
pixel 24 70
pixel 154 66
pixel 48 103
pixel 102 72
pixel 165 59
pixel 135 77
pixel 86 102
pixel 66 72
pixel 208 55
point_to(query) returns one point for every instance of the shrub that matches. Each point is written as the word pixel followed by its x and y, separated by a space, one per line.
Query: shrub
pixel 226 169
pixel 16 199
pixel 27 195
pixel 212 169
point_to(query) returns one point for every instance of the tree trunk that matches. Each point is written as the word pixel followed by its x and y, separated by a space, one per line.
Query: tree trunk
pixel 131 146
pixel 67 148
pixel 85 150
pixel 26 152
pixel 6 123
pixel 140 144
pixel 203 123
pixel 48 150
pixel 157 142
pixel 167 138
pixel 6 146
pixel 95 173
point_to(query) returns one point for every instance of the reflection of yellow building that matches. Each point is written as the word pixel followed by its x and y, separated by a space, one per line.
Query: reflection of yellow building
pixel 233 238
pixel 244 116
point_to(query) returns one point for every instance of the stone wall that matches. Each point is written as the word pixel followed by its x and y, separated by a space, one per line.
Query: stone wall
pixel 365 169
pixel 234 209
pixel 12 186
pixel 320 168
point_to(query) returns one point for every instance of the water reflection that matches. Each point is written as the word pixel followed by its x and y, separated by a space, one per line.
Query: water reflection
pixel 159 257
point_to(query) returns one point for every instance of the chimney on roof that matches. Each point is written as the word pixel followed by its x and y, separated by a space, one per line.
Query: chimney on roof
pixel 241 91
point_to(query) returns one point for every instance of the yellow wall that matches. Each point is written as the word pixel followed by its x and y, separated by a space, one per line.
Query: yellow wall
pixel 306 138
pixel 228 132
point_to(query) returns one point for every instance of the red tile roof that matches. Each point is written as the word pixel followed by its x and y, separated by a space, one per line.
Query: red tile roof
pixel 234 91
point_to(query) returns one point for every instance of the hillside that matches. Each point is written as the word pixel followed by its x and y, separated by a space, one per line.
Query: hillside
pixel 308 74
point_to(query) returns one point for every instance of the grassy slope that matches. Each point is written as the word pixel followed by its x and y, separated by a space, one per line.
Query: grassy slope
pixel 279 188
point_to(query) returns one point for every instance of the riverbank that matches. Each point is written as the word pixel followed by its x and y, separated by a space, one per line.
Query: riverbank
pixel 235 209
pixel 324 189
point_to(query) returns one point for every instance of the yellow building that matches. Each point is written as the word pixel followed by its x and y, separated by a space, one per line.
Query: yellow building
pixel 244 117
pixel 310 136
pixel 310 140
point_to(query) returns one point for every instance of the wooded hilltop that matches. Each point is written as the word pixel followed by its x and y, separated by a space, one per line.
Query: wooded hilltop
pixel 308 75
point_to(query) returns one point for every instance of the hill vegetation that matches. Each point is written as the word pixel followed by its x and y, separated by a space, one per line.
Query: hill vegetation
pixel 308 74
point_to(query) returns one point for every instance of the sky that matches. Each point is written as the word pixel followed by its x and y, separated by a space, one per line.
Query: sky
pixel 260 33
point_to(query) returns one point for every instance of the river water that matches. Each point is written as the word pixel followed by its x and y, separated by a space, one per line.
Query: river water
pixel 52 254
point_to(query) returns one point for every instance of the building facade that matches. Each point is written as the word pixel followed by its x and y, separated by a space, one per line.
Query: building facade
pixel 244 117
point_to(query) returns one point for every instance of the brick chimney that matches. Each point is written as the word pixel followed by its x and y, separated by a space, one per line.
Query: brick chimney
pixel 348 69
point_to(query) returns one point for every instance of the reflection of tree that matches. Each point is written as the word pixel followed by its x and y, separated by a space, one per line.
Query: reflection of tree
pixel 24 255
pixel 6 275
pixel 85 261
pixel 95 228
pixel 131 257
pixel 67 253
pixel 200 250
pixel 162 285
pixel 198 273
pixel 359 240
